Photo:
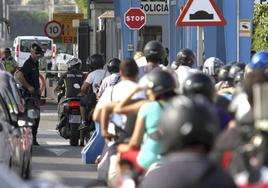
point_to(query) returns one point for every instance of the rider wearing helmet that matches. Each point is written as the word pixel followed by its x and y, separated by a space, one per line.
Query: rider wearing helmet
pixel 259 61
pixel 199 83
pixel 212 67
pixel 187 130
pixel 113 68
pixel 224 80
pixel 184 63
pixel 185 57
pixel 160 87
pixel 72 80
pixel 95 62
pixel 223 74
pixel 235 68
pixel 202 84
pixel 155 55
pixel 90 88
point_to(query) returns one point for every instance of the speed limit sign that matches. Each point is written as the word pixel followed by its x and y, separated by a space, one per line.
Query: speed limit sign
pixel 53 29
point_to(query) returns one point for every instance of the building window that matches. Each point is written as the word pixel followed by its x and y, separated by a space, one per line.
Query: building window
pixel 147 34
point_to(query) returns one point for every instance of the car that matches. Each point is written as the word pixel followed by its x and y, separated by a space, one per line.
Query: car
pixel 17 117
pixel 5 139
pixel 11 153
pixel 59 63
pixel 22 46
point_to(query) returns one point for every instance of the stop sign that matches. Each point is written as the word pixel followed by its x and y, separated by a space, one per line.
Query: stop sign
pixel 135 18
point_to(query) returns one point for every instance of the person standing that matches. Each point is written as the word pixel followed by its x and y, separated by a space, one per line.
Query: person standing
pixel 28 76
pixel 8 61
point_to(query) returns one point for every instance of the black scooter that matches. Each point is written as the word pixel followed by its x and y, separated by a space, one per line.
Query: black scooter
pixel 69 119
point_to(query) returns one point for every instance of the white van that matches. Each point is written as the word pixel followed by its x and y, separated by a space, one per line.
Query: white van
pixel 22 46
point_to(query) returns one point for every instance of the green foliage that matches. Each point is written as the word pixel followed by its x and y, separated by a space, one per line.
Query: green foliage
pixel 83 5
pixel 27 23
pixel 260 24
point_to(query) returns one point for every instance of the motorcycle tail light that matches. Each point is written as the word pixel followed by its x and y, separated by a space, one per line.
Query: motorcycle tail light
pixel 74 104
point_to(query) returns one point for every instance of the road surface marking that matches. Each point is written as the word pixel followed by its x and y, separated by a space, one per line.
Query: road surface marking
pixel 57 143
pixel 58 152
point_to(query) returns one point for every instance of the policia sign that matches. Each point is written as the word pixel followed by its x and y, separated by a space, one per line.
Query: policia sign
pixel 155 7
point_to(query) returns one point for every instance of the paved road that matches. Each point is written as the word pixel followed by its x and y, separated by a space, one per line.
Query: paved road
pixel 55 155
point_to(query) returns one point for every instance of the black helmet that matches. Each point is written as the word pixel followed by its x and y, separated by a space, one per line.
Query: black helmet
pixel 199 83
pixel 160 81
pixel 186 122
pixel 239 77
pixel 95 62
pixel 113 65
pixel 235 68
pixel 185 57
pixel 154 51
pixel 223 74
pixel 7 50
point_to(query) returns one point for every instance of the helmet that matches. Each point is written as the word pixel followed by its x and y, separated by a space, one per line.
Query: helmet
pixel 7 50
pixel 185 57
pixel 190 122
pixel 199 83
pixel 160 81
pixel 95 62
pixel 235 68
pixel 223 74
pixel 113 65
pixel 154 51
pixel 212 66
pixel 259 60
pixel 239 77
pixel 73 61
pixel 259 76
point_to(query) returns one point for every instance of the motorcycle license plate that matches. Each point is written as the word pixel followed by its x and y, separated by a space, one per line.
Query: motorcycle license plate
pixel 74 118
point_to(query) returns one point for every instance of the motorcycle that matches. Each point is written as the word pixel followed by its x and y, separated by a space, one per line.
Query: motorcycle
pixel 69 119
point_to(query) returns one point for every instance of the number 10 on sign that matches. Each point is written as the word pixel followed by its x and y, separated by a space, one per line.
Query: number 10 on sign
pixel 53 29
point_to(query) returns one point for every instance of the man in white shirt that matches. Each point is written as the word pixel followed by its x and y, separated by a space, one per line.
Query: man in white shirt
pixel 128 73
pixel 114 78
pixel 183 65
pixel 90 87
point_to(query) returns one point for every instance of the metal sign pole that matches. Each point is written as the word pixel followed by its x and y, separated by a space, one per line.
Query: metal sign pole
pixel 200 46
pixel 238 33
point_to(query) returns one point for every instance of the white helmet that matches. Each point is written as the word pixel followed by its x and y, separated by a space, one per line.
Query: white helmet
pixel 212 66
pixel 73 61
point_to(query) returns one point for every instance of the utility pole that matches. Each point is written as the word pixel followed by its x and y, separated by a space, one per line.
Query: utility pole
pixel 88 10
pixel 50 9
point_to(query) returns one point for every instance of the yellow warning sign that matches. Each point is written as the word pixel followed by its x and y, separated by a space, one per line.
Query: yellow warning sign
pixel 69 32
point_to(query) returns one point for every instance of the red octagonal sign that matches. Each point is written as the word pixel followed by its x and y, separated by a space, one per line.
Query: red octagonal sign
pixel 135 18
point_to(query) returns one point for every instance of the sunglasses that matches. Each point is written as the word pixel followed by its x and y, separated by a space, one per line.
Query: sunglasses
pixel 38 53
